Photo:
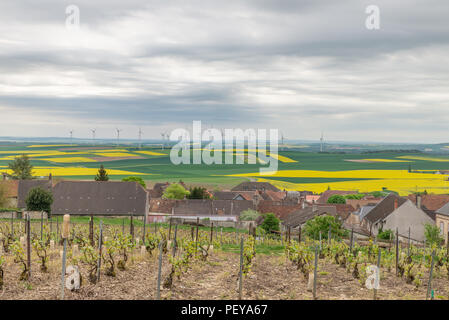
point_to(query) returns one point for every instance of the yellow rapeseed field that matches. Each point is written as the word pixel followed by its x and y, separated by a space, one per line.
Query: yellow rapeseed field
pixel 386 160
pixel 69 159
pixel 400 181
pixel 50 145
pixel 75 171
pixel 151 153
pixel 114 154
pixel 424 158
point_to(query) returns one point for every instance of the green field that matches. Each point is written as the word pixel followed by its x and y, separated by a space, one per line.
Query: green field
pixel 299 170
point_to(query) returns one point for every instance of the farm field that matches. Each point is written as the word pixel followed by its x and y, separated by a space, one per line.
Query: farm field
pixel 206 273
pixel 297 170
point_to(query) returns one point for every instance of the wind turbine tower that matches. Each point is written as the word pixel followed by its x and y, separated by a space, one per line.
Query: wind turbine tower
pixel 140 138
pixel 321 142
pixel 71 137
pixel 93 135
pixel 163 140
pixel 118 135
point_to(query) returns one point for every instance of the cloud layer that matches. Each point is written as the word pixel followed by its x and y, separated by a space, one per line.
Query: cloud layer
pixel 300 66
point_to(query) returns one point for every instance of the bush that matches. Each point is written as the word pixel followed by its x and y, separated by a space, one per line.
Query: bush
pixel 39 199
pixel 322 223
pixel 139 180
pixel 432 234
pixel 270 222
pixel 378 194
pixel 336 198
pixel 354 196
pixel 175 191
pixel 385 235
pixel 249 215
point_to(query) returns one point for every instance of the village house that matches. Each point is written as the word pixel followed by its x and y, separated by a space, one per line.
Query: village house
pixel 111 198
pixel 11 192
pixel 395 212
pixel 329 193
pixel 252 186
pixel 190 209
pixel 442 221
pixel 25 187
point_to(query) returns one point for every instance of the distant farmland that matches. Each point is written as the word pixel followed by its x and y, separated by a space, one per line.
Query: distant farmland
pixel 297 170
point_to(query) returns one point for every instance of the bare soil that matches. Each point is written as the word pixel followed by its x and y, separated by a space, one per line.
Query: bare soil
pixel 271 277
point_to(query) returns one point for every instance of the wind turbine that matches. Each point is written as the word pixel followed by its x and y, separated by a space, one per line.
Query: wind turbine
pixel 321 142
pixel 93 135
pixel 140 138
pixel 163 140
pixel 118 135
pixel 71 137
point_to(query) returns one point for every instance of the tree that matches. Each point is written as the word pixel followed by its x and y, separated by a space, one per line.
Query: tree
pixel 249 215
pixel 39 199
pixel 175 191
pixel 102 175
pixel 270 222
pixel 323 223
pixel 21 168
pixel 336 198
pixel 139 180
pixel 432 234
pixel 198 193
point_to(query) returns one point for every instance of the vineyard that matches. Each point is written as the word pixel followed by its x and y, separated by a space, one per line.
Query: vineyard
pixel 138 261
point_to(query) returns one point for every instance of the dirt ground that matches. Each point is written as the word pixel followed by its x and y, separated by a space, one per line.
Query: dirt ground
pixel 271 277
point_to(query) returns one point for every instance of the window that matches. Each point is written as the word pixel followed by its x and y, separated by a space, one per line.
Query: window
pixel 442 227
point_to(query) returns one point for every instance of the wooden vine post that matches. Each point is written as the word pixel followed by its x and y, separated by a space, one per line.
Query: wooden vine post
pixel 100 245
pixel 408 246
pixel 447 244
pixel 174 240
pixel 28 245
pixel 91 230
pixel 158 285
pixel 131 228
pixel 351 241
pixel 12 222
pixel 211 232
pixel 169 229
pixel 241 269
pixel 299 234
pixel 65 235
pixel 144 228
pixel 42 223
pixel 379 255
pixel 57 230
pixel 196 239
pixel 429 285
pixel 315 272
pixel 397 252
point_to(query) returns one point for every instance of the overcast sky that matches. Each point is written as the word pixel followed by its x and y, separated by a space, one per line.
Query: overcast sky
pixel 301 66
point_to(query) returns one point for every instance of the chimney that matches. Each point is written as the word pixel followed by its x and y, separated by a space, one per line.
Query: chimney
pixel 395 204
pixel 418 201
